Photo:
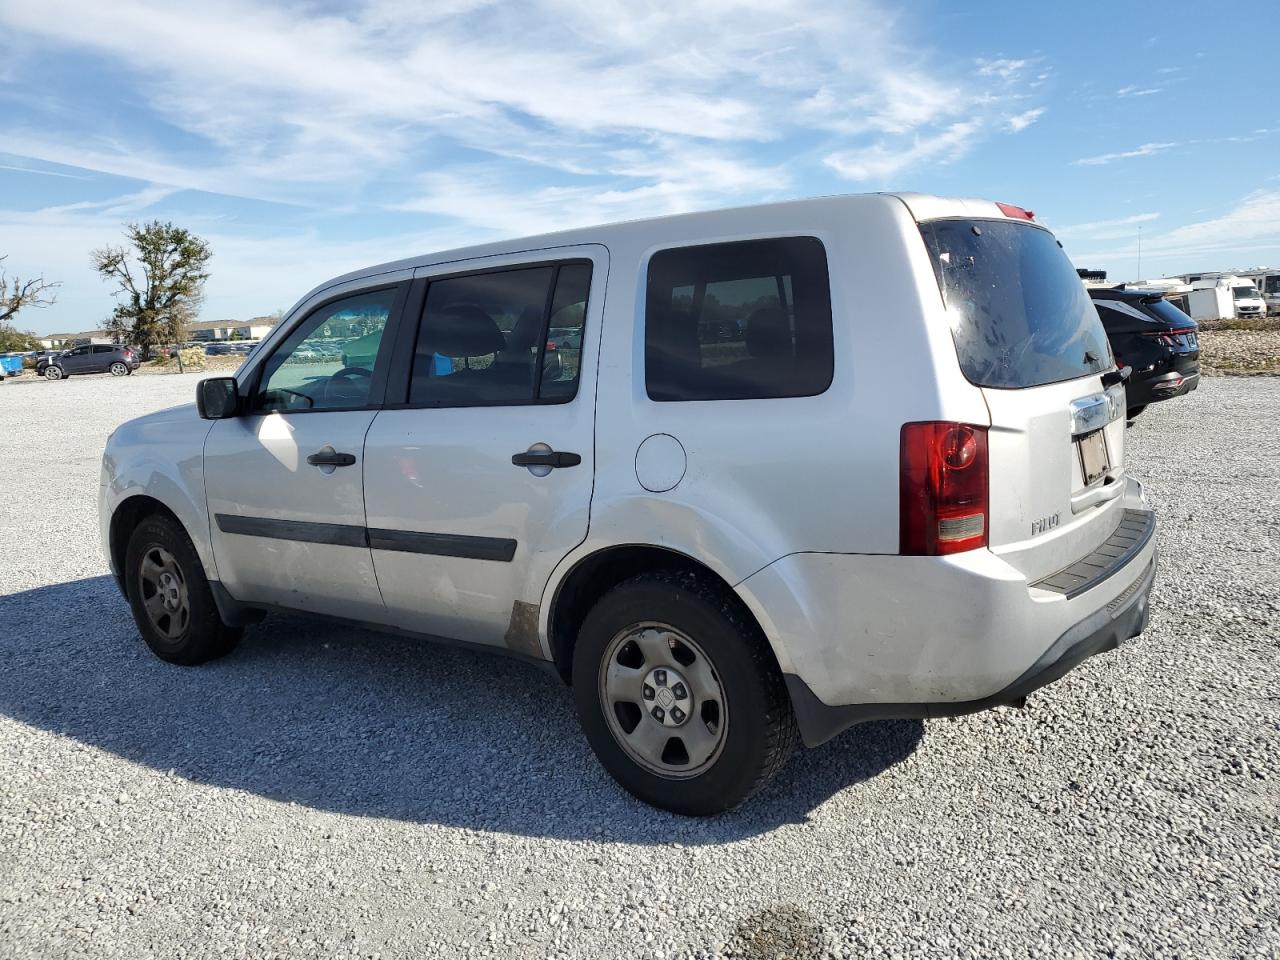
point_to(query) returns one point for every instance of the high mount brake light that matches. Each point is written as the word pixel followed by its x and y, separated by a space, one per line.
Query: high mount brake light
pixel 943 492
pixel 1009 210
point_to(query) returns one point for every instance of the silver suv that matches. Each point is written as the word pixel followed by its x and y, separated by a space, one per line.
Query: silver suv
pixel 788 468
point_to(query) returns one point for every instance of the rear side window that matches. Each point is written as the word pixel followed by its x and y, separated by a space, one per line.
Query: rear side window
pixel 738 321
pixel 1019 314
pixel 101 348
pixel 504 337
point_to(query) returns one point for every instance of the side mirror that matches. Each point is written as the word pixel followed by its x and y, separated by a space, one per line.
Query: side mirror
pixel 217 398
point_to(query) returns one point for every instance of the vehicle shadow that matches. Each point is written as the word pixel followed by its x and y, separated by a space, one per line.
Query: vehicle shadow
pixel 358 722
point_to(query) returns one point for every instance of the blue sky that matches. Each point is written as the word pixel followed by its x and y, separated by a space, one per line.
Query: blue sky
pixel 307 139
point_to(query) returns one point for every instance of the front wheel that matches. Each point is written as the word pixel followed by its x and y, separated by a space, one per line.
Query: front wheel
pixel 169 594
pixel 679 694
pixel 52 372
pixel 119 369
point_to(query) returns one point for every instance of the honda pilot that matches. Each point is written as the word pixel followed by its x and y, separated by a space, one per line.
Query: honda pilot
pixel 791 468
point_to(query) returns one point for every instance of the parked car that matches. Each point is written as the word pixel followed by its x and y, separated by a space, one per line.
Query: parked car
pixel 90 358
pixel 724 548
pixel 1153 337
pixel 217 349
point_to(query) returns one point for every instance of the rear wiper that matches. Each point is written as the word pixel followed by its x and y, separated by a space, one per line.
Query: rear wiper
pixel 1119 375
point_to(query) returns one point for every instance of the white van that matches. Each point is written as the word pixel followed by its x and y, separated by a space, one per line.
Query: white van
pixel 787 468
pixel 1225 297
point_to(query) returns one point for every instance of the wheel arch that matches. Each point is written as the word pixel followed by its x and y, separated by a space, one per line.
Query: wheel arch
pixel 593 575
pixel 130 512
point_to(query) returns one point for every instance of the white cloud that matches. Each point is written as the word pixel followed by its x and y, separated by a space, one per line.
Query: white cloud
pixel 1119 228
pixel 879 162
pixel 1020 121
pixel 1003 68
pixel 1146 150
pixel 294 99
pixel 1136 91
pixel 1251 225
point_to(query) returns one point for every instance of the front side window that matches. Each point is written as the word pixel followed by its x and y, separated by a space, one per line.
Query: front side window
pixel 503 337
pixel 739 321
pixel 327 361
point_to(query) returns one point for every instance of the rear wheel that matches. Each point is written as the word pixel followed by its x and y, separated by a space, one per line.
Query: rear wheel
pixel 119 369
pixel 52 372
pixel 679 695
pixel 170 597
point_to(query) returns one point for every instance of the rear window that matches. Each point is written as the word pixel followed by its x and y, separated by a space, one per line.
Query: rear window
pixel 1169 313
pixel 1019 314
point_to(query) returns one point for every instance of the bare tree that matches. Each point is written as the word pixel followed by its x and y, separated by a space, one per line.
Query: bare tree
pixel 154 306
pixel 16 294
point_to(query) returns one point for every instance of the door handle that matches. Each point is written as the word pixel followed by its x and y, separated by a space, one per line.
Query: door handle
pixel 550 458
pixel 327 458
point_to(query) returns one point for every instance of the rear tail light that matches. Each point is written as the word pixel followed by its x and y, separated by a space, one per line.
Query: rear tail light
pixel 1170 338
pixel 943 491
pixel 551 346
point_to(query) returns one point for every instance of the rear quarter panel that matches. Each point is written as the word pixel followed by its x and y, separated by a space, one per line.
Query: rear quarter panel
pixel 766 478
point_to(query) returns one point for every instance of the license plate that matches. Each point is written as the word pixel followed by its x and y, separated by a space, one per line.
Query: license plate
pixel 1093 456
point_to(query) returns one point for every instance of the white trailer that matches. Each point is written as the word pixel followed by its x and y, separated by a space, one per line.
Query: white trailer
pixel 1230 294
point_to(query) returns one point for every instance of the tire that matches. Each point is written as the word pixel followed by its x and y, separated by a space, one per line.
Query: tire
pixel 53 372
pixel 1136 411
pixel 187 630
pixel 694 629
pixel 119 369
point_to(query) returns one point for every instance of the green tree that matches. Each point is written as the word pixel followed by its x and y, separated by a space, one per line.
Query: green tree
pixel 15 294
pixel 17 341
pixel 155 305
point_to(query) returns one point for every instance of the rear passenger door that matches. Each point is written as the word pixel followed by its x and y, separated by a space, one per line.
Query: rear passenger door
pixel 478 481
pixel 99 360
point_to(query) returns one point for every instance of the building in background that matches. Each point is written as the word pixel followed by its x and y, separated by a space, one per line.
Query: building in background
pixel 206 332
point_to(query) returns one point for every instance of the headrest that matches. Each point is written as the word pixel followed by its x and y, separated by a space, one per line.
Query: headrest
pixel 769 333
pixel 524 335
pixel 463 330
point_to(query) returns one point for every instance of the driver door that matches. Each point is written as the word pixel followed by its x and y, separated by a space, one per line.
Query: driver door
pixel 284 481
pixel 77 361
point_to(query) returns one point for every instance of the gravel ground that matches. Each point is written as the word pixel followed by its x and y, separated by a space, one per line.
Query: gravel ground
pixel 328 792
pixel 1240 351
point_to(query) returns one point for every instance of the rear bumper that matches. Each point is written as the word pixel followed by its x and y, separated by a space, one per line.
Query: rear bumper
pixel 1166 386
pixel 864 637
pixel 1121 620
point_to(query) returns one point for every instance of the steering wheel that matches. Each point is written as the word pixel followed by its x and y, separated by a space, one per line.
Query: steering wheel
pixel 348 372
pixel 340 386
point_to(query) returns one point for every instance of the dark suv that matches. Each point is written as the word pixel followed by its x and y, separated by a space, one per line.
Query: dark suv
pixel 1153 337
pixel 90 358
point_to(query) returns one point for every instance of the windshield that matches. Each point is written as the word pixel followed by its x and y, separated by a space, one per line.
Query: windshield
pixel 1019 315
pixel 1244 293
